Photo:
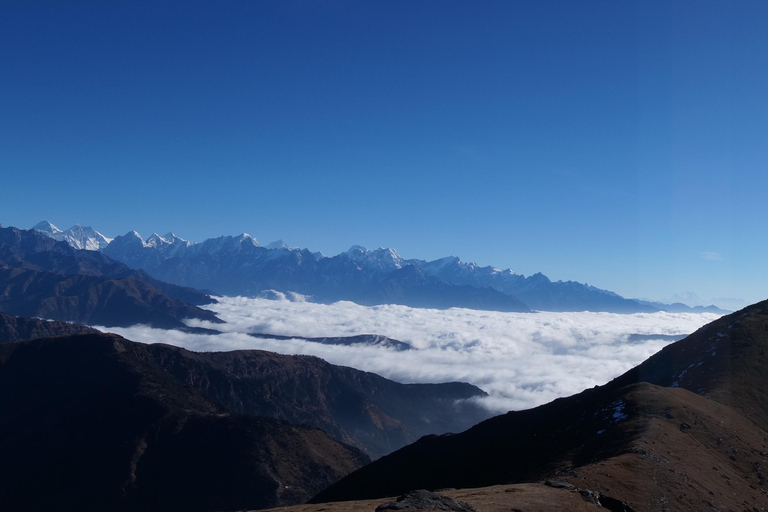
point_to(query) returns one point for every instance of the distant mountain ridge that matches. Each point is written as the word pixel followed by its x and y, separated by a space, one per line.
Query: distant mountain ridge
pixel 537 290
pixel 239 265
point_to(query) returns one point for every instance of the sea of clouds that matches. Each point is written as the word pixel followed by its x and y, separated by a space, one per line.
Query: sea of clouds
pixel 520 359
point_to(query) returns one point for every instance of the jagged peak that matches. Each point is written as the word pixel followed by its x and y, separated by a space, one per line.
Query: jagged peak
pixel 172 237
pixel 156 240
pixel 356 249
pixel 277 244
pixel 538 276
pixel 245 237
pixel 445 261
pixel 131 237
pixel 389 251
pixel 228 242
pixel 46 227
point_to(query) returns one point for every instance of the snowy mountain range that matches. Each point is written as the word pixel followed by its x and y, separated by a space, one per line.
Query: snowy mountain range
pixel 79 237
pixel 239 265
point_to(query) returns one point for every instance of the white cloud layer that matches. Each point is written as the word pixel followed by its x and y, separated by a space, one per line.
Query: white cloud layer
pixel 520 359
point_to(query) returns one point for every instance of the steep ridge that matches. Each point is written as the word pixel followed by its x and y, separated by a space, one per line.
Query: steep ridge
pixel 47 278
pixel 15 328
pixel 725 360
pixel 700 441
pixel 355 407
pixel 93 300
pixel 91 422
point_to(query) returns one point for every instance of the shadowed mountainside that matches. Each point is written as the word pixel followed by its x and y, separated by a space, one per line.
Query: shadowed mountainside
pixel 93 300
pixel 355 407
pixel 45 278
pixel 698 443
pixel 91 422
pixel 15 328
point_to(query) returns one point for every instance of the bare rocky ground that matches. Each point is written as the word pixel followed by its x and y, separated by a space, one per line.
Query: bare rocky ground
pixel 497 498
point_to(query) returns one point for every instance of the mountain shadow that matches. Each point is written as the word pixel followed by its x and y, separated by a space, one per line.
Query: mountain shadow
pixel 91 422
pixel 359 408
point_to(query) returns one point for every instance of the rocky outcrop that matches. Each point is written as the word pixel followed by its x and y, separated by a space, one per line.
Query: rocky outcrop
pixel 595 497
pixel 425 500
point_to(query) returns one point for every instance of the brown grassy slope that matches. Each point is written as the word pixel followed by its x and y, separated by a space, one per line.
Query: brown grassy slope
pixel 692 454
pixel 726 360
pixel 632 429
pixel 689 454
pixel 497 498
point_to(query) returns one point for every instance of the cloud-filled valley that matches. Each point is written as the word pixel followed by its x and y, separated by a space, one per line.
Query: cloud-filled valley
pixel 520 359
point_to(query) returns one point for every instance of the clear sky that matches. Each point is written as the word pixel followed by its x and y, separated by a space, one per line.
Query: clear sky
pixel 619 143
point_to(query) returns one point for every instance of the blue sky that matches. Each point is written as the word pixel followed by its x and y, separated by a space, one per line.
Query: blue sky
pixel 617 143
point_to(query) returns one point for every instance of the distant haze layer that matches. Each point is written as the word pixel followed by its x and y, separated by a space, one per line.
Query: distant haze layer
pixel 520 359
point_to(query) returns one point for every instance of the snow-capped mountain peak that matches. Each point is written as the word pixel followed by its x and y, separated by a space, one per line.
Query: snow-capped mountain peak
pixel 170 237
pixel 156 241
pixel 228 243
pixel 247 239
pixel 277 244
pixel 133 234
pixel 47 228
pixel 78 236
pixel 131 241
pixel 381 258
pixel 172 258
pixel 356 251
